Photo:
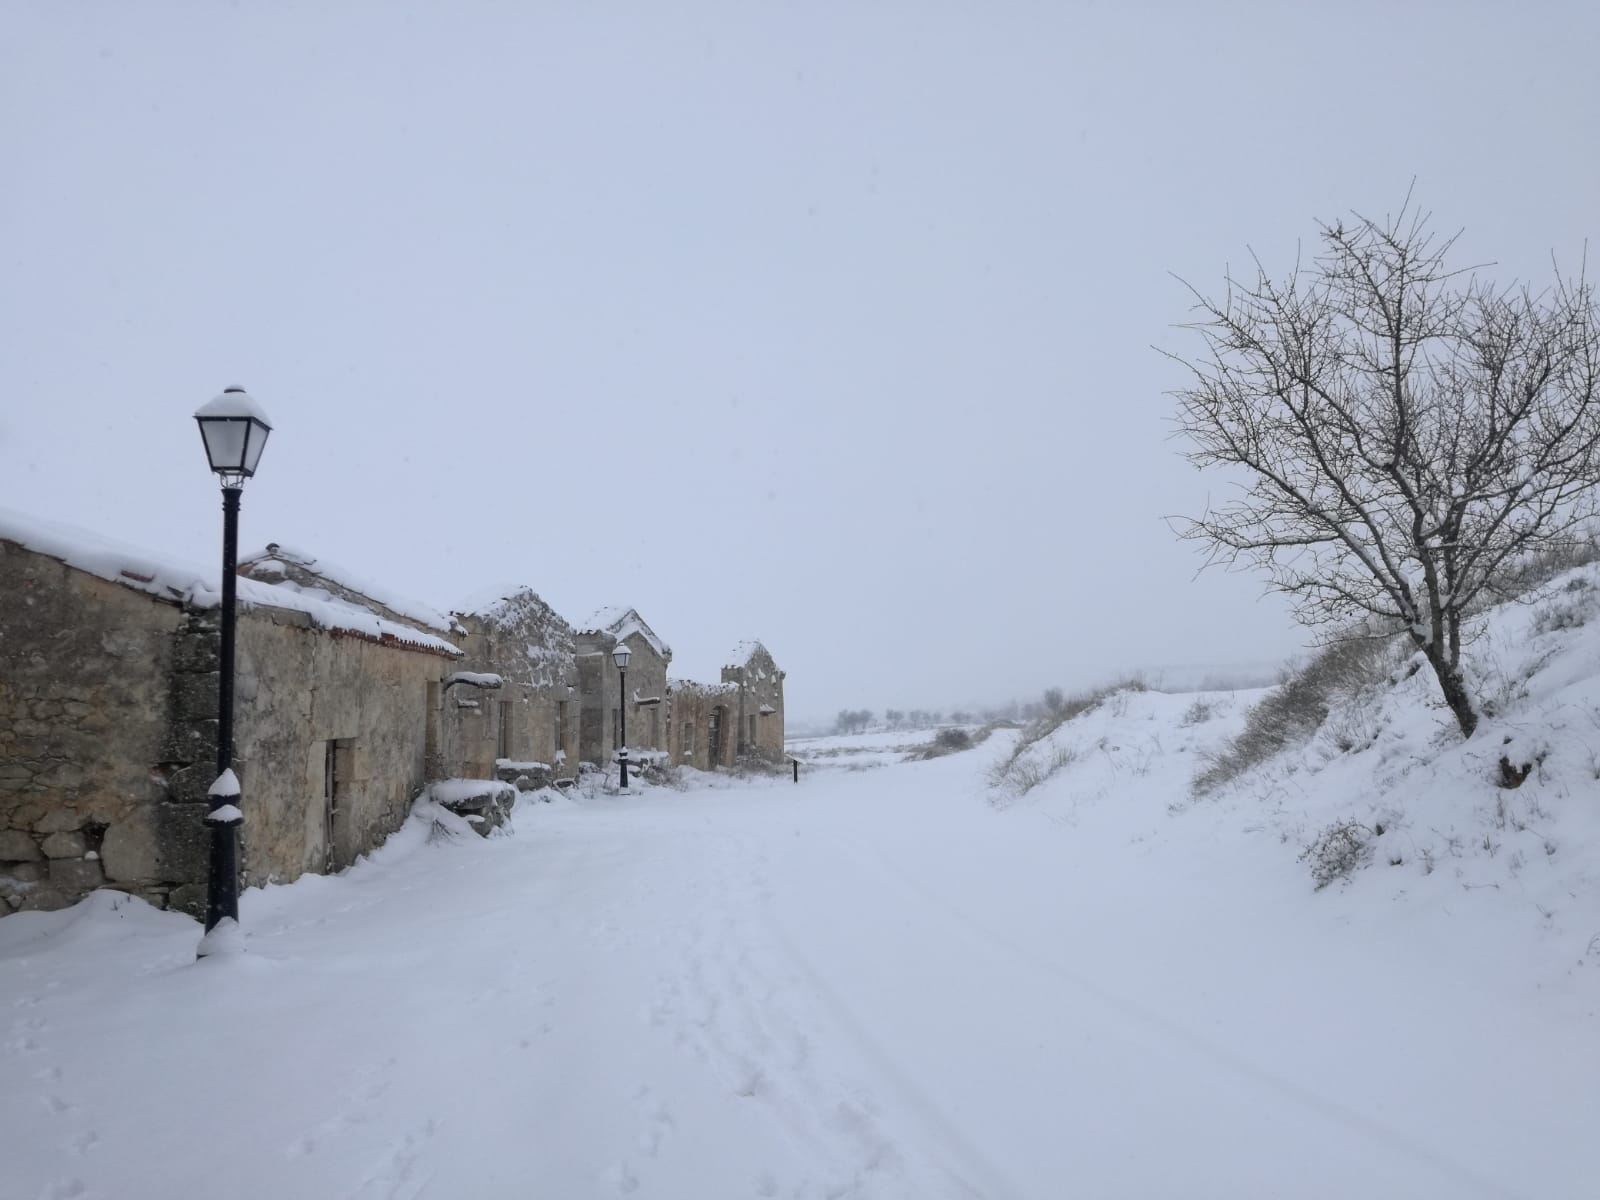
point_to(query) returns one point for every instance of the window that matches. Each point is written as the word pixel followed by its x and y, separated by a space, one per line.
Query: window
pixel 752 739
pixel 561 725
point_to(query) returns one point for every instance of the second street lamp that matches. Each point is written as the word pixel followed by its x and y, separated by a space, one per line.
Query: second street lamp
pixel 620 655
pixel 235 431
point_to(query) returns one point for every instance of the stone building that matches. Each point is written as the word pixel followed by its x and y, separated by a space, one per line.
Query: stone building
pixel 349 702
pixel 599 691
pixel 527 727
pixel 701 719
pixel 759 712
pixel 108 700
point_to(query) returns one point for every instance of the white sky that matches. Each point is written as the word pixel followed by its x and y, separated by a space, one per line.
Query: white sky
pixel 825 323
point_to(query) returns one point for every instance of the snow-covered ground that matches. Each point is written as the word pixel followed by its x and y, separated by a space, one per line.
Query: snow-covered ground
pixel 895 982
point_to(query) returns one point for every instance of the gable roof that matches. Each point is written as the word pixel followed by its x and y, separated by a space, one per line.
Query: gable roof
pixel 622 623
pixel 277 564
pixel 746 650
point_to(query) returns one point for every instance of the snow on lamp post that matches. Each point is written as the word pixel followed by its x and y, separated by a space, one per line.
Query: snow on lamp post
pixel 620 655
pixel 234 430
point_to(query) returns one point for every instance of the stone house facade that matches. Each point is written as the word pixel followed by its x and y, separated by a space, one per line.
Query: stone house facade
pixel 701 720
pixel 759 712
pixel 600 696
pixel 108 700
pixel 349 702
pixel 527 727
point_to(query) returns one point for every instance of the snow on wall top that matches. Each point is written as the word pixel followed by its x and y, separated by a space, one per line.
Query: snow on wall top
pixel 180 583
pixel 710 689
pixel 493 602
pixel 526 639
pixel 745 651
pixel 107 558
pixel 271 562
pixel 622 623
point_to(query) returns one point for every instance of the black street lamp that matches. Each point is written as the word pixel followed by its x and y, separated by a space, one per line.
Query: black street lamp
pixel 235 431
pixel 620 655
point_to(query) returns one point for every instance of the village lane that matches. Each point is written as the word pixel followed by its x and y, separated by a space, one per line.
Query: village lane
pixel 868 985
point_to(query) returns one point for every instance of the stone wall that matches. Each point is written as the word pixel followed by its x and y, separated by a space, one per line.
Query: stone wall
pixel 108 703
pixel 533 717
pixel 692 713
pixel 86 767
pixel 599 691
pixel 332 734
pixel 760 707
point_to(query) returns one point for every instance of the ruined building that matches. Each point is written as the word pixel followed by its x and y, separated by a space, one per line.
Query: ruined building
pixel 349 701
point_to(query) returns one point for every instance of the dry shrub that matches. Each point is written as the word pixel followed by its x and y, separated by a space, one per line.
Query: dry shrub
pixel 946 741
pixel 1296 709
pixel 1337 851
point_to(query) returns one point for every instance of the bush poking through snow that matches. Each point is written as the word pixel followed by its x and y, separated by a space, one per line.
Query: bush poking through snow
pixel 1571 608
pixel 949 741
pixel 1337 852
pixel 1296 709
pixel 1014 777
pixel 1023 769
pixel 1199 713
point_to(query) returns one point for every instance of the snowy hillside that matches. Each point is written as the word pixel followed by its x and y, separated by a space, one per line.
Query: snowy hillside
pixel 895 980
pixel 1384 801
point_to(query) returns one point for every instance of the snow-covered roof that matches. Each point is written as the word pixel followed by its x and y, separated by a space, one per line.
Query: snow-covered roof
pixel 691 685
pixel 745 651
pixel 490 602
pixel 181 583
pixel 270 564
pixel 623 623
pixel 108 558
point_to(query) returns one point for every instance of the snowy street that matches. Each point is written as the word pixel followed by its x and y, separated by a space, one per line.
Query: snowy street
pixel 869 985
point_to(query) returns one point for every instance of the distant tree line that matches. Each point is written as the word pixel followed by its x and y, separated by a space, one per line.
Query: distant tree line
pixel 860 720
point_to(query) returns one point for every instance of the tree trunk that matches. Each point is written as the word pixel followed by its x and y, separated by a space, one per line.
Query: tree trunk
pixel 1454 688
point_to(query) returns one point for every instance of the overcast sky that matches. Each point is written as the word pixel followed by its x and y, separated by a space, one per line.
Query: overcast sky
pixel 824 323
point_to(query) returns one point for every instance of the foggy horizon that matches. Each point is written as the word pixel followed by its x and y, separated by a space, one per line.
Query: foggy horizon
pixel 838 331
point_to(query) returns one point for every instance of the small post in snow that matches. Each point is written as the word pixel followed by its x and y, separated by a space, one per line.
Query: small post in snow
pixel 796 763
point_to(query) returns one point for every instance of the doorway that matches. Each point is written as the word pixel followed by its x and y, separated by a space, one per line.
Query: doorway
pixel 714 738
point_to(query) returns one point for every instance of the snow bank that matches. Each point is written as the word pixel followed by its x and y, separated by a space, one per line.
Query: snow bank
pixel 1385 804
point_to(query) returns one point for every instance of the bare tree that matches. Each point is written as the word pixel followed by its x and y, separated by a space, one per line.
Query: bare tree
pixel 1054 700
pixel 1407 432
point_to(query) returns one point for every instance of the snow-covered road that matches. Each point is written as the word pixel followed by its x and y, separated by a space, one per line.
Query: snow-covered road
pixel 869 985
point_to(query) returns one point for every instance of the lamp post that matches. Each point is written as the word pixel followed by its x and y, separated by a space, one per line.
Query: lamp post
pixel 620 655
pixel 234 430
